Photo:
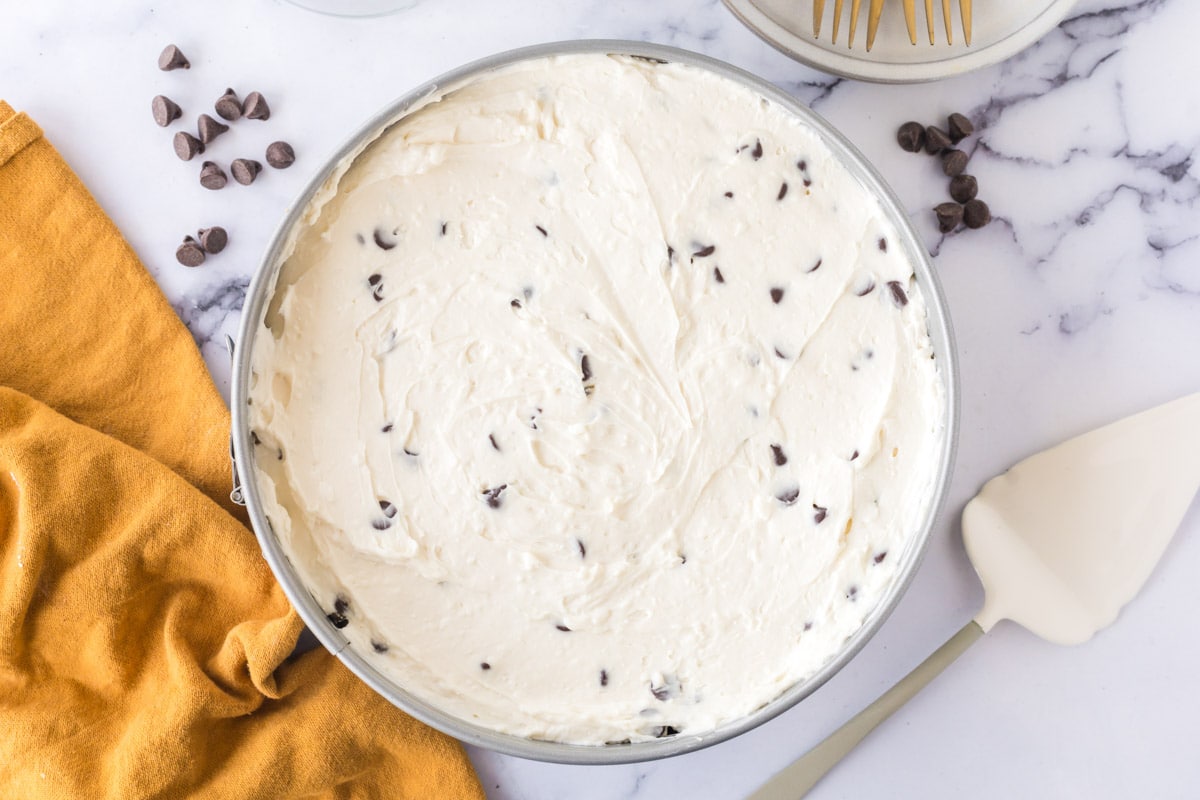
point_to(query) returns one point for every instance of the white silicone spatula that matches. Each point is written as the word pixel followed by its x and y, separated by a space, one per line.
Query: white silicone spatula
pixel 1062 541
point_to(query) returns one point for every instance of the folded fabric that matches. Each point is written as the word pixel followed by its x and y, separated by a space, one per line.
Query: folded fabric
pixel 145 648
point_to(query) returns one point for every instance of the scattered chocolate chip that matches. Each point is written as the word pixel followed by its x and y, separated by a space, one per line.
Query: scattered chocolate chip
pixel 387 428
pixel 485 666
pixel 541 230
pixel 705 252
pixel 757 152
pixel 808 626
pixel 279 454
pixel 190 254
pixel 280 155
pixel 381 242
pixel 381 524
pixel 665 730
pixel 717 276
pixel 245 170
pixel 585 368
pixel 866 290
pixel 882 244
pixel 358 237
pixel 729 195
pixel 582 548
pixel 880 557
pixel 604 677
pixel 388 508
pixel 228 106
pixel 492 496
pixel 802 165
pixel 492 439
pixel 778 354
pixel 949 215
pixel 165 110
pixel 410 453
pixel 954 162
pixel 339 620
pixel 976 213
pixel 209 128
pixel 776 295
pixel 378 646
pixel 854 455
pixel 255 107
pixel 899 297
pixel 172 58
pixel 374 279
pixel 187 146
pixel 563 628
pixel 212 176
pixel 852 593
pixel 964 187
pixel 443 233
pixel 911 136
pixel 213 239
pixel 778 454
pixel 515 303
pixel 814 267
pixel 254 438
pixel 819 513
pixel 788 496
pixel 341 604
pixel 661 693
pixel 960 127
pixel 782 191
pixel 936 140
pixel 670 253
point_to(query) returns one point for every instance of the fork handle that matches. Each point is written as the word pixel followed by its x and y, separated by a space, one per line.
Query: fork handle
pixel 795 780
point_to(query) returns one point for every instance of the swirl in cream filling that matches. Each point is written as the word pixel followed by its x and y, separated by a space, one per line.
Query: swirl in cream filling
pixel 595 404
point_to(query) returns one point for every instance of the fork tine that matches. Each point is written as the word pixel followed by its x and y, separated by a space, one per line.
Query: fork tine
pixel 964 10
pixel 929 18
pixel 837 18
pixel 910 19
pixel 855 5
pixel 818 12
pixel 946 21
pixel 873 22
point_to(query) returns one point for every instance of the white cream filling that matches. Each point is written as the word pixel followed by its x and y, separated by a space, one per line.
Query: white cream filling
pixel 709 512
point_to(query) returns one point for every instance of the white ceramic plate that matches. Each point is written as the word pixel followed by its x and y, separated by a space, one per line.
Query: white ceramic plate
pixel 1000 29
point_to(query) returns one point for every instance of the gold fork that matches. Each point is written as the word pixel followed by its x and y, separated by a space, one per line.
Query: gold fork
pixel 876 9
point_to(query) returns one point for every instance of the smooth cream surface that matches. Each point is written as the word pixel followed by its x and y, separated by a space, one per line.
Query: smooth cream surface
pixel 597 401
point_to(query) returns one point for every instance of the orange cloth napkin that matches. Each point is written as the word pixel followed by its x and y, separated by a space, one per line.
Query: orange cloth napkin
pixel 144 644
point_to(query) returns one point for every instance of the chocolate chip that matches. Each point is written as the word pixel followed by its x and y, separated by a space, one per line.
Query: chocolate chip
pixel 254 438
pixel 964 187
pixel 341 604
pixel 866 290
pixel 492 439
pixel 492 496
pixel 778 354
pixel 880 557
pixel 911 136
pixel 819 513
pixel 358 237
pixel 187 146
pixel 717 276
pixel 381 524
pixel 212 176
pixel 976 213
pixel 960 127
pixel 604 677
pixel 936 140
pixel 387 428
pixel 949 215
pixel 485 666
pixel 410 453
pixel 213 239
pixel 378 646
pixel 705 252
pixel 954 162
pixel 189 253
pixel 228 106
pixel 802 165
pixel 776 295
pixel 882 245
pixel 729 195
pixel 255 107
pixel 585 368
pixel 165 110
pixel 757 152
pixel 854 455
pixel 381 242
pixel 665 730
pixel 778 454
pixel 852 593
pixel 209 128
pixel 582 549
pixel 782 191
pixel 280 155
pixel 515 303
pixel 172 58
pixel 245 170
pixel 388 508
pixel 563 628
pixel 814 267
pixel 339 620
pixel 788 496
pixel 670 253
pixel 541 230
pixel 899 297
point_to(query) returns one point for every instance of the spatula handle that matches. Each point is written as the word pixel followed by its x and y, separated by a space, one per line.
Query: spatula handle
pixel 795 780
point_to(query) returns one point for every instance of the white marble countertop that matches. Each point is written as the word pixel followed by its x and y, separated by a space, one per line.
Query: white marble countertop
pixel 1080 303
